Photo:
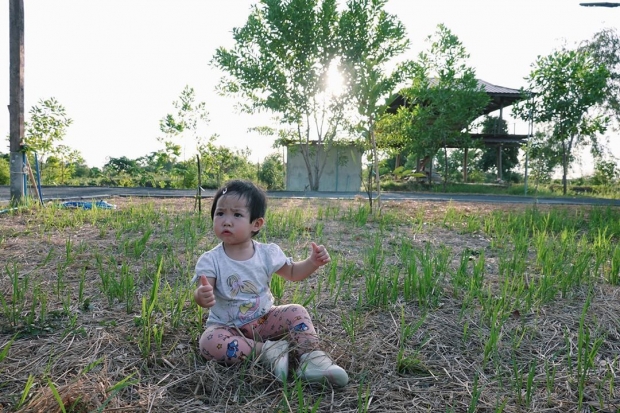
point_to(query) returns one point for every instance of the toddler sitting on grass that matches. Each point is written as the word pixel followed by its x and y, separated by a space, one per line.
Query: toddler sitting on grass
pixel 233 282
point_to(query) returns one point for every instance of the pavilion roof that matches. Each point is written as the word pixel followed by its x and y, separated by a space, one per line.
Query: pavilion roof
pixel 500 97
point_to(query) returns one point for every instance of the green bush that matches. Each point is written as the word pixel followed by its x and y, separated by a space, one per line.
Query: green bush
pixel 407 186
pixel 605 173
pixel 476 177
pixel 5 174
pixel 271 172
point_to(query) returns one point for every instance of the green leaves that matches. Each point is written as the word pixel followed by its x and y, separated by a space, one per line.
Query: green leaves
pixel 604 47
pixel 280 55
pixel 443 99
pixel 370 40
pixel 190 116
pixel 567 86
pixel 45 129
pixel 281 62
pixel 48 124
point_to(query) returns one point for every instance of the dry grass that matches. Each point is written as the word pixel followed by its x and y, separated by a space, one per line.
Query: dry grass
pixel 96 365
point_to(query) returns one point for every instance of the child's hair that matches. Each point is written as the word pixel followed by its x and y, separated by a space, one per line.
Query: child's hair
pixel 254 196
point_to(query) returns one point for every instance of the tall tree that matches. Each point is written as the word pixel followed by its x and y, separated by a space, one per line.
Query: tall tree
pixel 185 124
pixel 604 48
pixel 46 128
pixel 184 128
pixel 568 85
pixel 371 39
pixel 280 63
pixel 442 102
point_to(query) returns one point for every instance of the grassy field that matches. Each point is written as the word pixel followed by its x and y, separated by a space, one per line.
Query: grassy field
pixel 431 307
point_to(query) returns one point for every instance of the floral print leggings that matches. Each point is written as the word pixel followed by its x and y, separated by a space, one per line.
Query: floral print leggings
pixel 230 345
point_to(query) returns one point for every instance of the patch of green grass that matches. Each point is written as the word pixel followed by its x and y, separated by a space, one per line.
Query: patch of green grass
pixel 509 307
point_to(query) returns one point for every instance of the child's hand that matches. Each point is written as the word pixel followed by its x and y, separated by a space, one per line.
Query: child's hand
pixel 319 255
pixel 203 295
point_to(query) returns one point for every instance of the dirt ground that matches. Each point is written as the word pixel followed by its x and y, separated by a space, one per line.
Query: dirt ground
pixel 86 353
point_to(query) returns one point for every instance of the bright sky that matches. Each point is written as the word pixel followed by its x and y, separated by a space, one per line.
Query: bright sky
pixel 117 66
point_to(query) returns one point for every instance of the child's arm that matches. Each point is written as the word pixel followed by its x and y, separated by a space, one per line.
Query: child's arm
pixel 300 270
pixel 203 295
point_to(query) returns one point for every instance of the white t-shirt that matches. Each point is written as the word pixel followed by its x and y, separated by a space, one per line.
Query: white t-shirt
pixel 242 291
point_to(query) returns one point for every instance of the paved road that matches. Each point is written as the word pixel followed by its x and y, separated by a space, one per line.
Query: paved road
pixel 67 193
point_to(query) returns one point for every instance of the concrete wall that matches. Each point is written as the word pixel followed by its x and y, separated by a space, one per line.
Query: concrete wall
pixel 342 172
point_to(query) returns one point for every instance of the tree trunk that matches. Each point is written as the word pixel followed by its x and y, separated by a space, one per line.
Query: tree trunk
pixel 465 155
pixel 317 156
pixel 199 189
pixel 564 181
pixel 564 169
pixel 369 187
pixel 376 166
pixel 430 172
pixel 445 166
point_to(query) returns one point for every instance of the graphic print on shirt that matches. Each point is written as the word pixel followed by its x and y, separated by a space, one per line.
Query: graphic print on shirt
pixel 248 309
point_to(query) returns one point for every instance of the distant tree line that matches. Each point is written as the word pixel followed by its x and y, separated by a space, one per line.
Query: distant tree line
pixel 60 165
pixel 282 61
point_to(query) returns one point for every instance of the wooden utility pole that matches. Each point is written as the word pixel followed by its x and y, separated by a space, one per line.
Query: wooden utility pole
pixel 16 106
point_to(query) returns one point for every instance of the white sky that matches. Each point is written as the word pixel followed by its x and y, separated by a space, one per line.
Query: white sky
pixel 116 66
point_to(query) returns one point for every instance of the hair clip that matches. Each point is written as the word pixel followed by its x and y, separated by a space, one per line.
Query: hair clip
pixel 224 190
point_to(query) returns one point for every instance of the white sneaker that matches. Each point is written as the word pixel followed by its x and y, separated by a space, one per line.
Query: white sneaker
pixel 275 356
pixel 316 367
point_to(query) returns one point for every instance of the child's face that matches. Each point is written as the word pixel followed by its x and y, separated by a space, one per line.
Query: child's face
pixel 231 221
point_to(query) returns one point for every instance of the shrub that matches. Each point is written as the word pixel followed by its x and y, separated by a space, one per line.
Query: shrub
pixel 605 173
pixel 5 174
pixel 271 172
pixel 476 176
